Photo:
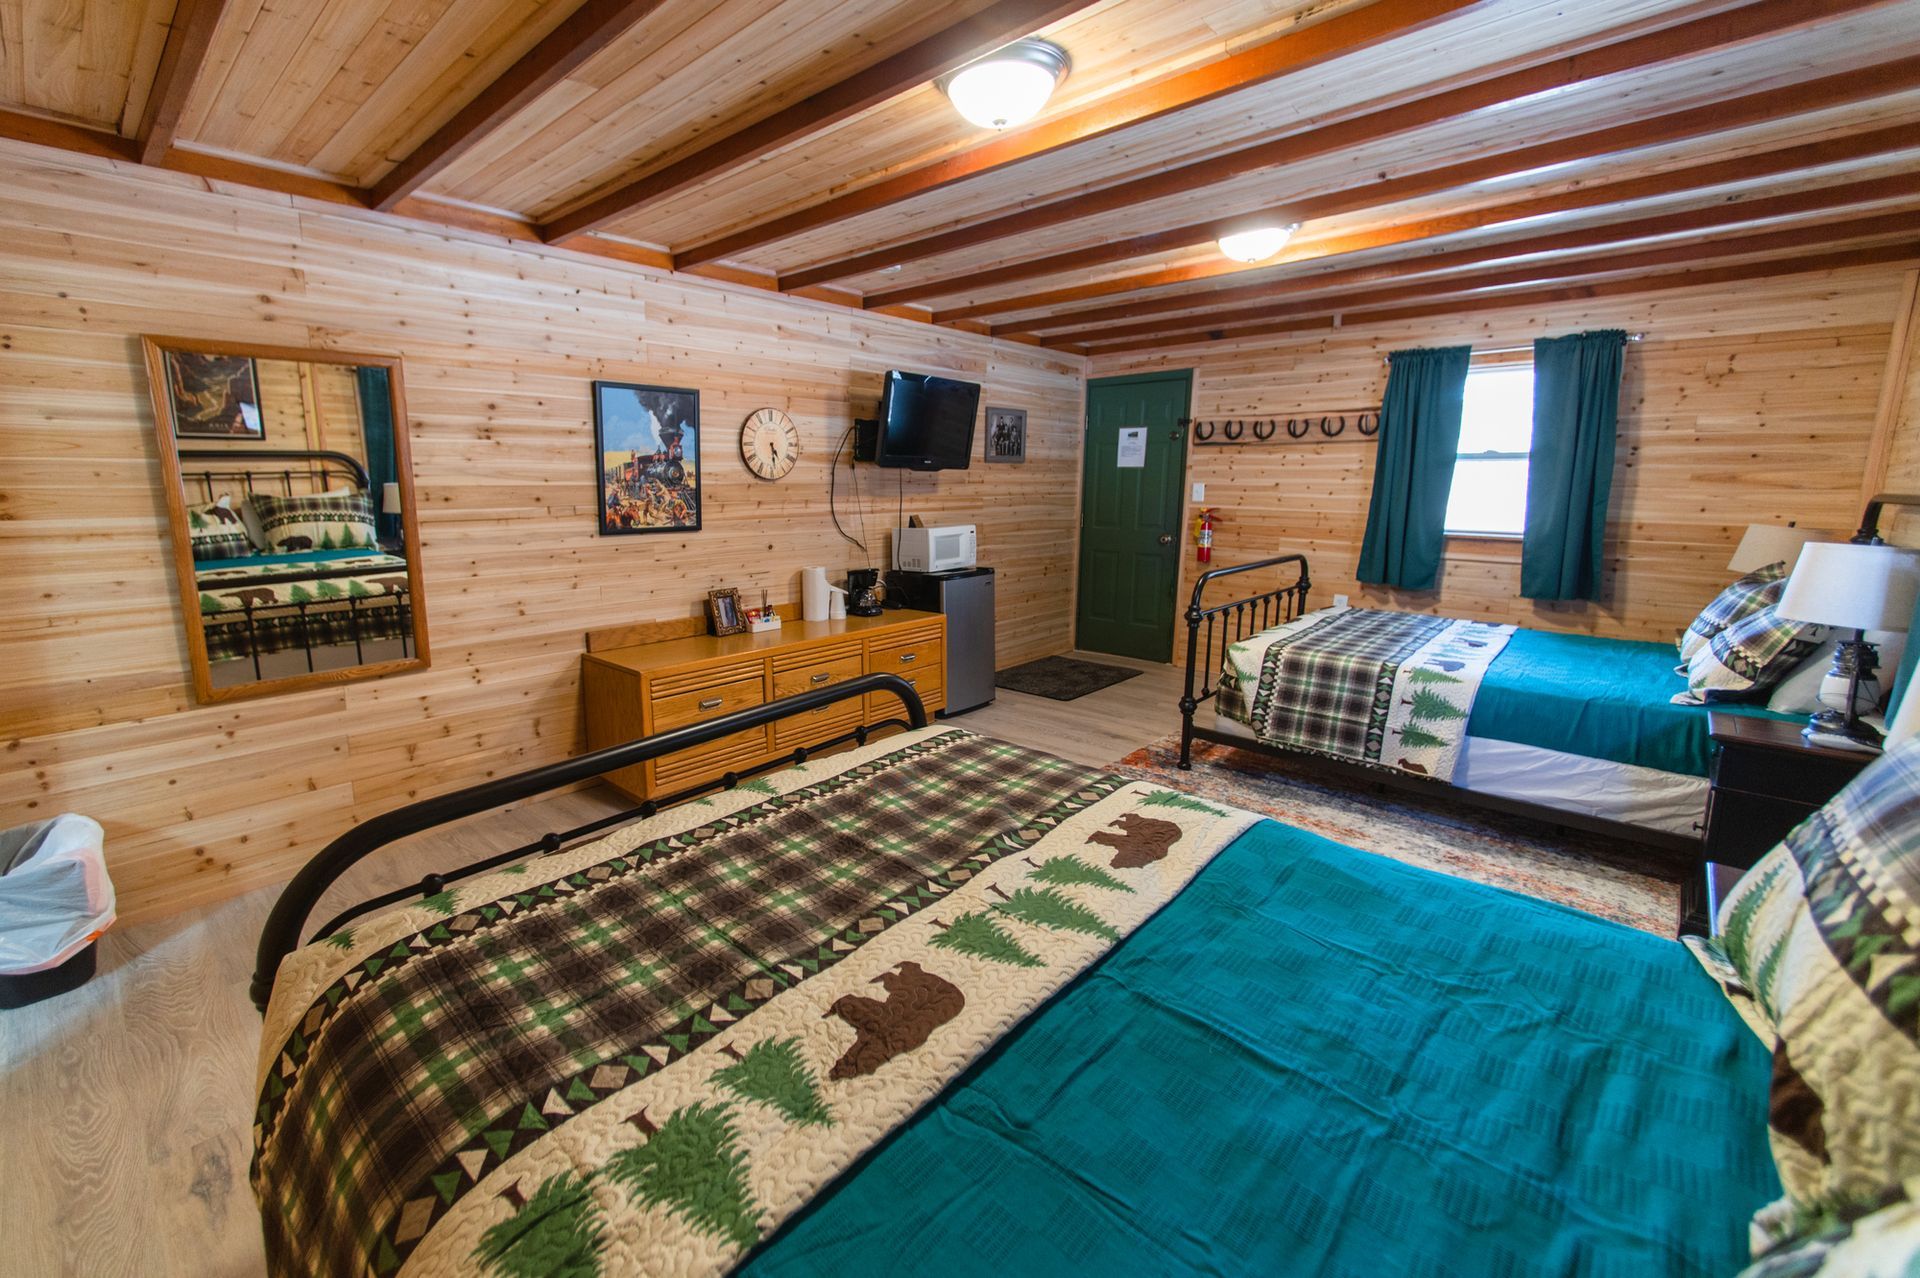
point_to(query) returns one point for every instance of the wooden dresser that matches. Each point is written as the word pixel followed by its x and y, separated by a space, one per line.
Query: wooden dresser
pixel 646 688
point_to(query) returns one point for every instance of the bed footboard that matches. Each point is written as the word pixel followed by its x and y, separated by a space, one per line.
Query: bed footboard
pixel 1228 623
pixel 281 935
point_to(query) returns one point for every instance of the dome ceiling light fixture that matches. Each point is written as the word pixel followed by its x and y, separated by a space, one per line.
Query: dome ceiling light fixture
pixel 1257 244
pixel 1009 86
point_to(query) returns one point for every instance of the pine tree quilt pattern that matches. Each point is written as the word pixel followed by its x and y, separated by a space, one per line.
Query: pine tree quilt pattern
pixel 1393 689
pixel 641 1055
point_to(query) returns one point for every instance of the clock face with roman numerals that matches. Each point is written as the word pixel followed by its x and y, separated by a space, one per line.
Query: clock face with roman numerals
pixel 770 443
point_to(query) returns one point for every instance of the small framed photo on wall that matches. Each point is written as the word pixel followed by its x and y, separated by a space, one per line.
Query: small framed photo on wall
pixel 1006 434
pixel 646 443
pixel 214 396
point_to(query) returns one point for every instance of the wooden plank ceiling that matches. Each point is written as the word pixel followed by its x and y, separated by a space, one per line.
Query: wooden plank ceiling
pixel 1439 155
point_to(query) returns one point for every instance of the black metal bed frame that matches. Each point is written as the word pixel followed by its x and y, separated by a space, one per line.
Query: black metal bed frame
pixel 281 935
pixel 1229 622
pixel 317 459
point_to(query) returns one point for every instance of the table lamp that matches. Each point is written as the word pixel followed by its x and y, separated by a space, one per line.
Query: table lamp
pixel 1854 587
pixel 1774 544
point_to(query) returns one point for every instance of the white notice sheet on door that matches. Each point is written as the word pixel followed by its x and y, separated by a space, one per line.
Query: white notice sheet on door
pixel 1133 448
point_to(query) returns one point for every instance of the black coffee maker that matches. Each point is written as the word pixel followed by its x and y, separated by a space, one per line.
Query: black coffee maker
pixel 864 592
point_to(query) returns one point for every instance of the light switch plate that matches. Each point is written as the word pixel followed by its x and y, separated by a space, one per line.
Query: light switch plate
pixel 1339 601
pixel 1199 492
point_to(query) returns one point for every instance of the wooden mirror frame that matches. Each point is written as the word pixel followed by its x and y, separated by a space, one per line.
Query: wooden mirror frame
pixel 174 482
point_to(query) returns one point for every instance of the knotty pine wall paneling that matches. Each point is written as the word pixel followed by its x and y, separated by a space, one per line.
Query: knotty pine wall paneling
pixel 500 347
pixel 1747 405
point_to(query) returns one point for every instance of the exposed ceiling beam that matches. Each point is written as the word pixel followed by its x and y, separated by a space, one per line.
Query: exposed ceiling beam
pixel 1679 126
pixel 189 36
pixel 1699 177
pixel 1824 234
pixel 1716 31
pixel 585 32
pixel 18 126
pixel 1907 251
pixel 998 24
pixel 1286 54
pixel 1826 199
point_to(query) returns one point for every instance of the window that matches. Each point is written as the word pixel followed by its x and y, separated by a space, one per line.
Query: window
pixel 1496 434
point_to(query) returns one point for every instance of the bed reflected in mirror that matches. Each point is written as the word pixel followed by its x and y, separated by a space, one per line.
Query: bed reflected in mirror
pixel 290 496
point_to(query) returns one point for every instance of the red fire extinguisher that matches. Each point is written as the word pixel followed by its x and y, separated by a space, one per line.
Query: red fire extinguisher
pixel 1203 535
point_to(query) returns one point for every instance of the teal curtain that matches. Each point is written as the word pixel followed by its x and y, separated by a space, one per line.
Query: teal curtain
pixel 376 425
pixel 1576 410
pixel 1413 471
pixel 1902 685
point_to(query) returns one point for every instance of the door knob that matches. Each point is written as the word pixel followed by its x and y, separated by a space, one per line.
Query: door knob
pixel 1166 539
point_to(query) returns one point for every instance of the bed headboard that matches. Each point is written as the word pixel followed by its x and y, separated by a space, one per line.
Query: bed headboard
pixel 278 470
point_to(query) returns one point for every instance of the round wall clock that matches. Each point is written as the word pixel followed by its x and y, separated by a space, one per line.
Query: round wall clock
pixel 770 443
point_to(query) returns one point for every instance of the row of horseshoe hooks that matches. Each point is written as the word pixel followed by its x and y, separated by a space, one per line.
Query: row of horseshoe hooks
pixel 1313 428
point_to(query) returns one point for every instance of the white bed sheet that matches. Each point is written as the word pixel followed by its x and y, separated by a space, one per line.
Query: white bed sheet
pixel 1648 797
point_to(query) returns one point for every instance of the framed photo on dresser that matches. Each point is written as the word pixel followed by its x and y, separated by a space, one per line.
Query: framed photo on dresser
pixel 646 445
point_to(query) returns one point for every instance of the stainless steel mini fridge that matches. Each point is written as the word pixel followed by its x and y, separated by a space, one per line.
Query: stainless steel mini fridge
pixel 966 597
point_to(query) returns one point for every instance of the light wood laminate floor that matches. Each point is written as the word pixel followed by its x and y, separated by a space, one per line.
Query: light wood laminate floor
pixel 124 1106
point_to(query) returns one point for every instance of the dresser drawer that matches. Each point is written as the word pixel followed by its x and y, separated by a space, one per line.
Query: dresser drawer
pixel 1742 828
pixel 683 768
pixel 698 704
pixel 884 705
pixel 816 675
pixel 1801 777
pixel 925 657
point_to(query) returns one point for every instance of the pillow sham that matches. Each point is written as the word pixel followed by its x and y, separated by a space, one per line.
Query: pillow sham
pixel 323 521
pixel 215 531
pixel 1824 933
pixel 1749 657
pixel 1757 590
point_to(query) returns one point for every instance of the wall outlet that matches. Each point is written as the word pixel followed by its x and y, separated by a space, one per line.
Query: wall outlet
pixel 1199 492
pixel 1339 601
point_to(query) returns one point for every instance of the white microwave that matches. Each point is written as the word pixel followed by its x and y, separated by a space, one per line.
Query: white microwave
pixel 934 549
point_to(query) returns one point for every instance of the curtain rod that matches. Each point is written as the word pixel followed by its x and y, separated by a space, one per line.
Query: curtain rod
pixel 1514 350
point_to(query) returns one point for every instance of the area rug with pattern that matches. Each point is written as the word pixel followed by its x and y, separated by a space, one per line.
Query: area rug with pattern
pixel 1589 872
pixel 1061 678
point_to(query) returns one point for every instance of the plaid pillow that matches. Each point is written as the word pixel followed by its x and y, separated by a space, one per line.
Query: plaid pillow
pixel 1737 602
pixel 1825 934
pixel 323 521
pixel 215 531
pixel 1749 657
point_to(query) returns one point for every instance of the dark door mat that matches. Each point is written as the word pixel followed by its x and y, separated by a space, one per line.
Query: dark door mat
pixel 1061 678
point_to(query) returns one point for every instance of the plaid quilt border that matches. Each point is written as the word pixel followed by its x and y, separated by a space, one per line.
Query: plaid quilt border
pixel 1344 693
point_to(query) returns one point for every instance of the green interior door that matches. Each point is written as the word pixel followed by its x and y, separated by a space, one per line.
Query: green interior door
pixel 1130 512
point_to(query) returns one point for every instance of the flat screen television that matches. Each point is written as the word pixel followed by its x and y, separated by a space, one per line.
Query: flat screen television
pixel 926 422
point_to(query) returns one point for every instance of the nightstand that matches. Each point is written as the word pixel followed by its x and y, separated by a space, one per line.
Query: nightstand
pixel 1765 779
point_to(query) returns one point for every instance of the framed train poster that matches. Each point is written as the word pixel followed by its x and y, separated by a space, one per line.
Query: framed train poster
pixel 646 443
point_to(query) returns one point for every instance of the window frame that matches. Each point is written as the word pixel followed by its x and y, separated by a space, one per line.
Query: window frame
pixel 1483 364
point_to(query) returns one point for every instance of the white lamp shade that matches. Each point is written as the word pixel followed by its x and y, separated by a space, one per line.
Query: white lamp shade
pixel 389 499
pixel 1774 544
pixel 1852 587
pixel 1009 86
pixel 1256 244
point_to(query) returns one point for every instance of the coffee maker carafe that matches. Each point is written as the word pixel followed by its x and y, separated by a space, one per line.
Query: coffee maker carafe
pixel 864 592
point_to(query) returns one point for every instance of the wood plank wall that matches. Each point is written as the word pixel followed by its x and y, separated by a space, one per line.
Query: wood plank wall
pixel 500 345
pixel 1752 405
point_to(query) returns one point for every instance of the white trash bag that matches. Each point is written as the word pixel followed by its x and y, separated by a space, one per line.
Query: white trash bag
pixel 55 896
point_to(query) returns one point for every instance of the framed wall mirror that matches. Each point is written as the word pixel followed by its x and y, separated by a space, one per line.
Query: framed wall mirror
pixel 290 497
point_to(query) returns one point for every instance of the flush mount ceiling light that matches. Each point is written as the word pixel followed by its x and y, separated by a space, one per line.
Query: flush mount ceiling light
pixel 1008 86
pixel 1258 243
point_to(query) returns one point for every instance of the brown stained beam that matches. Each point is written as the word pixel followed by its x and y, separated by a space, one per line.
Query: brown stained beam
pixel 586 31
pixel 1751 22
pixel 955 46
pixel 189 37
pixel 1292 52
pixel 1906 222
pixel 1700 177
pixel 18 126
pixel 1678 126
pixel 1908 251
pixel 1826 199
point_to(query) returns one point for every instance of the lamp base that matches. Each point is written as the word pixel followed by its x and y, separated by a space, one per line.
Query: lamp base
pixel 1837 731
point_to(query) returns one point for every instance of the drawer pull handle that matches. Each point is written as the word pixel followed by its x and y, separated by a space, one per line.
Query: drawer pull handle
pixel 908 656
pixel 819 678
pixel 712 703
pixel 913 683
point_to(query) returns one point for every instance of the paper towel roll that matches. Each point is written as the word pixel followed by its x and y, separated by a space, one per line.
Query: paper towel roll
pixel 813 594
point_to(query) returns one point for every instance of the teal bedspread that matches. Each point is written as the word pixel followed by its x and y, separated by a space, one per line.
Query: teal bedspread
pixel 1320 1062
pixel 1602 698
